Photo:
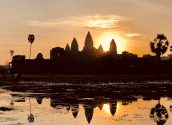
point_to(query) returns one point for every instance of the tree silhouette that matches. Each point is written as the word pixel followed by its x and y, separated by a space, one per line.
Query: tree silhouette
pixel 171 48
pixel 74 46
pixel 160 45
pixel 31 39
pixel 125 53
pixel 39 56
pixel 11 53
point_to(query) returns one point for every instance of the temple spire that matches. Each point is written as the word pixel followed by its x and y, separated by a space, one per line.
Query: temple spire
pixel 113 48
pixel 100 49
pixel 67 48
pixel 88 43
pixel 74 46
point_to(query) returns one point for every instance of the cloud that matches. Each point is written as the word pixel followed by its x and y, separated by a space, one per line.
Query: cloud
pixel 133 35
pixel 92 21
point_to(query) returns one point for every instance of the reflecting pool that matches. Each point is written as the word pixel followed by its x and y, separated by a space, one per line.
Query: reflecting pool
pixel 39 103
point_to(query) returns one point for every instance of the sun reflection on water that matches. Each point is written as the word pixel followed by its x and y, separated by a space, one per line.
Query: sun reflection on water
pixel 106 108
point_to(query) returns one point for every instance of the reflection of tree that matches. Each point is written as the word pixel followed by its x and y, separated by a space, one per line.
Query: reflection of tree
pixel 75 110
pixel 89 109
pixel 159 114
pixel 11 53
pixel 113 108
pixel 12 102
pixel 30 117
pixel 170 108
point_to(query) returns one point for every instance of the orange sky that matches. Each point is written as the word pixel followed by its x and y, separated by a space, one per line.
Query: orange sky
pixel 133 24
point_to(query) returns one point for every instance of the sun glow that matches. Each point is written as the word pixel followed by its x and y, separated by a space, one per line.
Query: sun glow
pixel 107 38
pixel 106 108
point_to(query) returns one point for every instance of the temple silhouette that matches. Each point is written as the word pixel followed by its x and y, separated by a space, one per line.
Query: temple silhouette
pixel 89 60
pixel 88 52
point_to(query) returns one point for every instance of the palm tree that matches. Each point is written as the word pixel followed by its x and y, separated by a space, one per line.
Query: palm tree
pixel 160 45
pixel 31 39
pixel 12 101
pixel 11 53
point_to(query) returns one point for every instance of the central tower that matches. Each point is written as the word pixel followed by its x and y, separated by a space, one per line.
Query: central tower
pixel 88 47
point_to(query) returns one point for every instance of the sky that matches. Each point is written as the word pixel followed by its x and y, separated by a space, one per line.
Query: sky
pixel 132 23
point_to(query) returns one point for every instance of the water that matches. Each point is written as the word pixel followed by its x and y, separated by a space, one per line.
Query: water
pixel 94 104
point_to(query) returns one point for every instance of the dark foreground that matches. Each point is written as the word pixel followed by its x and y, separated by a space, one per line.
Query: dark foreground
pixel 83 94
pixel 81 79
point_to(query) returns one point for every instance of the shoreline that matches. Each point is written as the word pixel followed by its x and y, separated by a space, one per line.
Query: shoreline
pixel 95 78
pixel 133 80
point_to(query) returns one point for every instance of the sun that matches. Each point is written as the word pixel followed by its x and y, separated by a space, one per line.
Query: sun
pixel 107 38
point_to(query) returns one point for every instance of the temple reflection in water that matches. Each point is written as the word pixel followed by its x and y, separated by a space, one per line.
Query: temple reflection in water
pixel 89 98
pixel 73 105
pixel 87 104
